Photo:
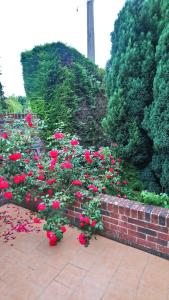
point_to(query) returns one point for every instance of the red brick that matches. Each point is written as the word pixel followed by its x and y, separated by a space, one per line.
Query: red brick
pixel 115 208
pixel 154 218
pixel 141 215
pixel 127 211
pixel 163 236
pixel 163 249
pixel 146 243
pixel 107 226
pixel 127 237
pixel 110 220
pixel 157 228
pixel 136 234
pixel 110 206
pixel 124 218
pixel 114 215
pixel 137 222
pixel 123 229
pixel 134 214
pixel 121 210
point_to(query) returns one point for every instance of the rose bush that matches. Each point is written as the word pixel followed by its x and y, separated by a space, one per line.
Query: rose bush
pixel 57 176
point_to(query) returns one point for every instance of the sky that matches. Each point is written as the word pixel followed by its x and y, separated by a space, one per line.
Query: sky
pixel 27 23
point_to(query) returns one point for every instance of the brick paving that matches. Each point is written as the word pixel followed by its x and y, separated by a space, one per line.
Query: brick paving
pixel 30 269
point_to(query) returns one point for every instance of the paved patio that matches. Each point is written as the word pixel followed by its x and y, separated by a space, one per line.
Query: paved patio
pixel 30 269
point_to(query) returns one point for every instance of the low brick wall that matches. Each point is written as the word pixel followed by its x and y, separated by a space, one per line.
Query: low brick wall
pixel 142 226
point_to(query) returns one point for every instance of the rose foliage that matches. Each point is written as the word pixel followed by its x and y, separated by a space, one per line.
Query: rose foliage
pixel 56 176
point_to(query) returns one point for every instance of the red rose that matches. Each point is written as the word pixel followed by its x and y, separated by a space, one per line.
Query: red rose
pixel 26 160
pixel 86 220
pixel 53 153
pixel 50 233
pixel 19 178
pixel 93 223
pixel 41 206
pixel 79 195
pixel 66 165
pixel 15 156
pixel 55 204
pixel 30 173
pixel 4 185
pixel 4 135
pixel 125 182
pixel 86 176
pixel 82 239
pixel 63 229
pixel 30 124
pixel 28 117
pixel 93 187
pixel 53 240
pixel 58 136
pixel 74 142
pixel 119 160
pixel 40 166
pixel 111 170
pixel 50 192
pixel 113 162
pixel 8 195
pixel 50 181
pixel 36 220
pixel 1 157
pixel 77 182
pixel 41 177
pixel 36 157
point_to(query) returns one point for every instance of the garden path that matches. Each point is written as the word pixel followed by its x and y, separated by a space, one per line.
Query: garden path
pixel 30 269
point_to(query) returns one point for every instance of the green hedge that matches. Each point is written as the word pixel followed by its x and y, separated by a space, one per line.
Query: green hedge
pixel 65 89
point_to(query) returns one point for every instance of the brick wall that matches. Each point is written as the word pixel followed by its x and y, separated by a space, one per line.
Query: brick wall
pixel 143 226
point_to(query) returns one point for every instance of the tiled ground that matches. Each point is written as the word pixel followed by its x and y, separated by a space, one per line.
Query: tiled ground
pixel 107 270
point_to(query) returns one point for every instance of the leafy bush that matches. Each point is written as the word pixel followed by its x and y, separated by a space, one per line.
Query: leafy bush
pixel 155 199
pixel 58 176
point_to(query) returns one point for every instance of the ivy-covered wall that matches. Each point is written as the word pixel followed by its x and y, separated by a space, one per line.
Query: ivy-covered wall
pixel 137 81
pixel 65 89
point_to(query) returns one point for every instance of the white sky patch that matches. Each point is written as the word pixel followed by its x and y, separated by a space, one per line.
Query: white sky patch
pixel 27 23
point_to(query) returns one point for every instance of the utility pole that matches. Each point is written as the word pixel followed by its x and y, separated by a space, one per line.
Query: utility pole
pixel 90 31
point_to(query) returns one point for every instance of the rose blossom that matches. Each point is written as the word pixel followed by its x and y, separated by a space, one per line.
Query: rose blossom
pixel 55 204
pixel 15 156
pixel 58 135
pixel 41 206
pixel 4 185
pixel 8 195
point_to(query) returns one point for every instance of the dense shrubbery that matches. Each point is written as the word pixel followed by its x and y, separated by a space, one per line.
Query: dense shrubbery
pixel 137 86
pixel 65 88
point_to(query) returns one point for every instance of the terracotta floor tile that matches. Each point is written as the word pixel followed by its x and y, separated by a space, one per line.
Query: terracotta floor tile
pixel 150 294
pixel 23 291
pixel 42 275
pixel 71 276
pixel 88 291
pixel 56 291
pixel 119 291
pixel 83 260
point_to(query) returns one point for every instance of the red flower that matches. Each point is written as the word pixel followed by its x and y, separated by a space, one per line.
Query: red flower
pixel 15 156
pixel 26 160
pixel 113 162
pixel 86 176
pixel 111 170
pixel 50 192
pixel 93 223
pixel 93 187
pixel 58 136
pixel 30 124
pixel 101 156
pixel 30 173
pixel 41 206
pixel 118 182
pixel 4 135
pixel 55 204
pixel 63 229
pixel 79 195
pixel 125 182
pixel 119 160
pixel 19 178
pixel 8 195
pixel 86 220
pixel 1 157
pixel 49 234
pixel 40 166
pixel 53 153
pixel 41 177
pixel 36 157
pixel 82 239
pixel 36 220
pixel 28 117
pixel 96 154
pixel 1 178
pixel 82 224
pixel 50 181
pixel 77 182
pixel 53 240
pixel 103 188
pixel 87 156
pixel 74 142
pixel 66 165
pixel 4 185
